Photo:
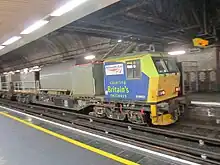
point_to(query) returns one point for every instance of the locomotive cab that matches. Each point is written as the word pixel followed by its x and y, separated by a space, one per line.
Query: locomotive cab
pixel 164 91
pixel 149 78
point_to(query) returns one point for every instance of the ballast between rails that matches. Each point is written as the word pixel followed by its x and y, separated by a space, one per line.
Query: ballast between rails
pixel 114 129
pixel 65 112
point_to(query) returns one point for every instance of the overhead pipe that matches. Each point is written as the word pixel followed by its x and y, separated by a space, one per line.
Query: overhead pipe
pixel 110 51
pixel 205 17
pixel 130 48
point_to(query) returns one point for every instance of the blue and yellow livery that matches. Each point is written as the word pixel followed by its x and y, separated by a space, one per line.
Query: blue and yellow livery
pixel 148 78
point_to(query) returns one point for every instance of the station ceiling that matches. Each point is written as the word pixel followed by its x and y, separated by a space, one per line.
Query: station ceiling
pixel 161 22
pixel 15 15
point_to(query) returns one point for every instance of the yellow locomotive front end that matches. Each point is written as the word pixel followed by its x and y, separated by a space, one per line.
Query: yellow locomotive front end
pixel 146 85
pixel 163 91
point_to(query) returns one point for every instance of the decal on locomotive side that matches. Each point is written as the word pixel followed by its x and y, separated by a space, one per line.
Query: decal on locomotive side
pixel 118 96
pixel 141 96
pixel 116 69
pixel 120 91
pixel 117 82
pixel 118 86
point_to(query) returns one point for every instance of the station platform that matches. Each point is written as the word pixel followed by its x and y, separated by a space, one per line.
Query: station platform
pixel 208 99
pixel 205 97
pixel 27 139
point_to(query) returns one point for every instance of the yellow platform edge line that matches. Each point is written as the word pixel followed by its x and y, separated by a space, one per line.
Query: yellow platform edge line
pixel 77 143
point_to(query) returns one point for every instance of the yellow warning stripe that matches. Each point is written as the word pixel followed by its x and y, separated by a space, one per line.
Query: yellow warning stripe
pixel 77 143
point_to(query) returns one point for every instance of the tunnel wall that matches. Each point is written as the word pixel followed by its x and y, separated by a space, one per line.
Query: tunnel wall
pixel 200 71
pixel 206 59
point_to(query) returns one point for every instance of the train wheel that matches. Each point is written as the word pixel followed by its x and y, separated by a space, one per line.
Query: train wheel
pixel 139 118
pixel 98 112
pixel 114 114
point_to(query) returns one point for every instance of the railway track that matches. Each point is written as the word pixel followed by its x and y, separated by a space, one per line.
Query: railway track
pixel 201 149
pixel 207 113
pixel 210 130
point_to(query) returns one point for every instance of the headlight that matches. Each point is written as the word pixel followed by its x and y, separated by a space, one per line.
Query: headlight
pixel 177 89
pixel 161 92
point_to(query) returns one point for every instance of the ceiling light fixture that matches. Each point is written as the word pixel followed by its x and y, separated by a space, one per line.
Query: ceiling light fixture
pixel 25 70
pixel 2 47
pixel 12 40
pixel 89 57
pixel 11 72
pixel 180 52
pixel 36 67
pixel 67 7
pixel 35 26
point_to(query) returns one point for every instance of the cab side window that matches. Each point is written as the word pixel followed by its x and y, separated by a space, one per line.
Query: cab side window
pixel 133 69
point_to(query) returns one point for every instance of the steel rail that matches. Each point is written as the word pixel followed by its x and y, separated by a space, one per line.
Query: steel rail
pixel 114 129
pixel 165 132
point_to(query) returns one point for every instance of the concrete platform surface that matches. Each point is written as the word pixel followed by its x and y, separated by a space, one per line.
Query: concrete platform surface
pixel 205 97
pixel 22 144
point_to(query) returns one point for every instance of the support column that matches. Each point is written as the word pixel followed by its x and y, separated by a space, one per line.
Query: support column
pixel 218 66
